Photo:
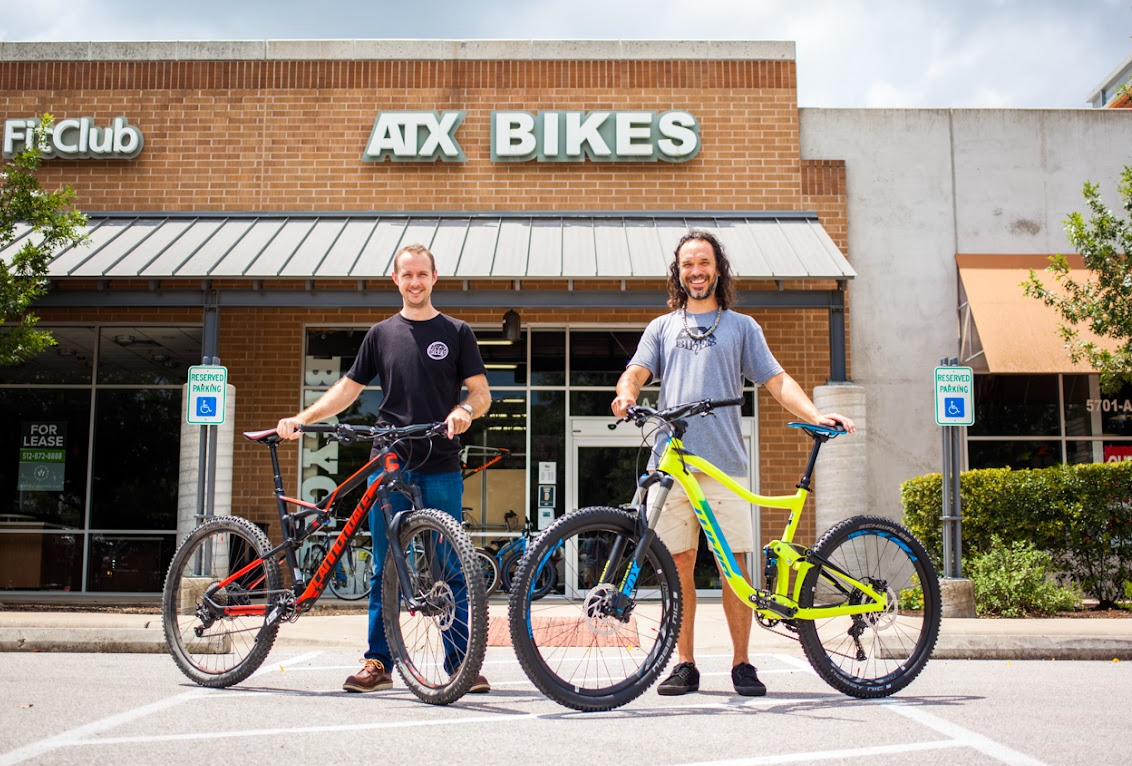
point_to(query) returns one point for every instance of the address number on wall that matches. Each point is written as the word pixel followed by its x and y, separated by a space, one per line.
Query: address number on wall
pixel 1108 405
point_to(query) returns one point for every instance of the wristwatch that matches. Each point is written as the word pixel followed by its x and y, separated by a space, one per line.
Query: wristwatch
pixel 468 407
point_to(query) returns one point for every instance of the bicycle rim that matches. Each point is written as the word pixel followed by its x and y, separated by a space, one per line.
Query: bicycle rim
pixel 876 654
pixel 490 568
pixel 438 649
pixel 209 648
pixel 574 649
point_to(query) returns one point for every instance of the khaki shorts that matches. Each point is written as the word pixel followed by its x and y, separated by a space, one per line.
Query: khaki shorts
pixel 679 528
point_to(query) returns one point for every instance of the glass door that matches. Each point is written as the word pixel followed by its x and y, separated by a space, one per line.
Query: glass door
pixel 604 468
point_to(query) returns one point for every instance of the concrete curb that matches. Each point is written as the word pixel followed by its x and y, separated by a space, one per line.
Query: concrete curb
pixel 1021 647
pixel 83 640
pixel 954 647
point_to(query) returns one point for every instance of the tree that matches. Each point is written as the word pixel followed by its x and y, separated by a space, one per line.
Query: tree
pixel 1103 302
pixel 23 275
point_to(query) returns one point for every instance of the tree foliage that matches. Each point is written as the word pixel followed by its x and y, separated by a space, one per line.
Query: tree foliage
pixel 1103 302
pixel 54 225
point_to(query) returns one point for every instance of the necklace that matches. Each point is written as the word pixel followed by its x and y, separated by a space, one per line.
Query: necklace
pixel 698 336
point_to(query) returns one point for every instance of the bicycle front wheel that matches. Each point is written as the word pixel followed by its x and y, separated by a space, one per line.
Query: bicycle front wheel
pixel 351 577
pixel 591 650
pixel 878 653
pixel 212 648
pixel 490 568
pixel 438 647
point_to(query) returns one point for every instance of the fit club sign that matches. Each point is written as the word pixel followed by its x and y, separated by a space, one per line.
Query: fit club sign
pixel 566 136
pixel 76 139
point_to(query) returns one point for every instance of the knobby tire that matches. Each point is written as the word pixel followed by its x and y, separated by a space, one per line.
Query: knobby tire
pixel 231 648
pixel 437 650
pixel 574 650
pixel 875 654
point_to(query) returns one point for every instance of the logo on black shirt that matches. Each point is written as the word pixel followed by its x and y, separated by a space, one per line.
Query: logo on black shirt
pixel 437 350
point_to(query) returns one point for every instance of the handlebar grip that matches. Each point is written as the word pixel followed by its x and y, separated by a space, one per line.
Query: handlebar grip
pixel 736 402
pixel 318 428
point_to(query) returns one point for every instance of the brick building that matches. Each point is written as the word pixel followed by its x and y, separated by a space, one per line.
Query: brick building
pixel 245 200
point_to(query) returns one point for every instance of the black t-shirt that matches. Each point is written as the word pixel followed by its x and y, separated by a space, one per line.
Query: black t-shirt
pixel 422 366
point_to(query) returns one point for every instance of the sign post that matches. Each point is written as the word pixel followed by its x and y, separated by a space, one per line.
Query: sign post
pixel 954 410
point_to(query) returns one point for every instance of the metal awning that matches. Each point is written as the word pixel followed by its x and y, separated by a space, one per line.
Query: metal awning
pixel 154 246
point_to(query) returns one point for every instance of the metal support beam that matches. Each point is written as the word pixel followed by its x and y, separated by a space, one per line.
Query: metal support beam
pixel 837 364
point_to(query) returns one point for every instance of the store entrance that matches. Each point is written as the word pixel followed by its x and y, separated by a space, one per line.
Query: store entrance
pixel 604 468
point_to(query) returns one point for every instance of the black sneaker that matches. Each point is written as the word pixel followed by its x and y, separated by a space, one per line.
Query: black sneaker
pixel 685 678
pixel 746 680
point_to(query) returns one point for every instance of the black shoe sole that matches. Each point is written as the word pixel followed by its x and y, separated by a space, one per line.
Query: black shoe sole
pixel 758 691
pixel 670 692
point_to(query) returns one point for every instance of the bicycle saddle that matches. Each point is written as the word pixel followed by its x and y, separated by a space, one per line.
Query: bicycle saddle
pixel 818 432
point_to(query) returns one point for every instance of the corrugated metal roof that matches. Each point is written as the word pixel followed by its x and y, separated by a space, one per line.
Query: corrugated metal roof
pixel 764 245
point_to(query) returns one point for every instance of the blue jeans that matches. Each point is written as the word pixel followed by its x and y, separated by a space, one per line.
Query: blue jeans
pixel 444 492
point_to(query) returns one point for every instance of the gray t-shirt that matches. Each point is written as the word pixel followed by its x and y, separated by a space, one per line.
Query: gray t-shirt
pixel 712 368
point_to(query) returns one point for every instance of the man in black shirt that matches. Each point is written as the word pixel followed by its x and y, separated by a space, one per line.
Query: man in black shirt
pixel 422 358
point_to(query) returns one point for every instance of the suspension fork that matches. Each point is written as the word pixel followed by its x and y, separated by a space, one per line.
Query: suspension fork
pixel 393 522
pixel 646 518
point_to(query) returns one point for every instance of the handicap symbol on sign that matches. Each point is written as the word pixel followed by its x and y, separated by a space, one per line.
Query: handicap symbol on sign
pixel 206 406
pixel 953 407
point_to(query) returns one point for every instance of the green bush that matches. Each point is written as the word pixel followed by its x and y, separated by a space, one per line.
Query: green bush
pixel 1013 580
pixel 1080 515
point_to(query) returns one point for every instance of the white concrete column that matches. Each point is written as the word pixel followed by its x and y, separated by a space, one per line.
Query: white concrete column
pixel 190 466
pixel 841 475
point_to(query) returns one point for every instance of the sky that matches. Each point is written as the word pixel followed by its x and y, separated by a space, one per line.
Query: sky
pixel 850 53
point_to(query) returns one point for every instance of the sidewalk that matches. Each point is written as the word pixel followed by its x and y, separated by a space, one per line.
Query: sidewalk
pixel 999 639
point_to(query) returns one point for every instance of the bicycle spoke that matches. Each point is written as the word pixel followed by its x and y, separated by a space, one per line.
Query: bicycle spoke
pixel 210 647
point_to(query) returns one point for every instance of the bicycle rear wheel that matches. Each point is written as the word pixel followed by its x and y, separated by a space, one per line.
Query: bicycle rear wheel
pixel 878 653
pixel 546 581
pixel 490 568
pixel 439 648
pixel 580 651
pixel 351 577
pixel 210 648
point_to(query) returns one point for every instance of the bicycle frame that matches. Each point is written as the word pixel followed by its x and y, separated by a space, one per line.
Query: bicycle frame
pixel 387 467
pixel 782 602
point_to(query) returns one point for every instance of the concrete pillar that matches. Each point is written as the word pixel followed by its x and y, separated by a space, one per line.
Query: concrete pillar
pixel 841 475
pixel 190 466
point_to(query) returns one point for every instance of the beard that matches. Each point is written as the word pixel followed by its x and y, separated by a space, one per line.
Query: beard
pixel 700 293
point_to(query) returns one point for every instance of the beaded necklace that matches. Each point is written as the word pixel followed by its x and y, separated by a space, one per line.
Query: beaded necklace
pixel 697 336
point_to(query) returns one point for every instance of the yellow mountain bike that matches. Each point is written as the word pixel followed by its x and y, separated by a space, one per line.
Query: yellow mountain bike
pixel 864 601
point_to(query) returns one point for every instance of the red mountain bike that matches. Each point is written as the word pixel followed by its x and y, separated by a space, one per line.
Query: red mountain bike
pixel 225 595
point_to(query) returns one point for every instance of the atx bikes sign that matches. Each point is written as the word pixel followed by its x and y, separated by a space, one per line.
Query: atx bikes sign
pixel 76 139
pixel 566 136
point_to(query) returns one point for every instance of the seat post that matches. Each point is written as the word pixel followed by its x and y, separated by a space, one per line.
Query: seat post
pixel 804 483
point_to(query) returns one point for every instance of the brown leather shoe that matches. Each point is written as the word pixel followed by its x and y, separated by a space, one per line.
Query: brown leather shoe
pixel 479 686
pixel 371 678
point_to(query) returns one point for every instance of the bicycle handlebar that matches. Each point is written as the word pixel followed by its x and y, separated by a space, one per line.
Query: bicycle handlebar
pixel 639 415
pixel 348 434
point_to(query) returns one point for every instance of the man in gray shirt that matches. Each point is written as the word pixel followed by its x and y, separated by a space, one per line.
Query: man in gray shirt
pixel 703 350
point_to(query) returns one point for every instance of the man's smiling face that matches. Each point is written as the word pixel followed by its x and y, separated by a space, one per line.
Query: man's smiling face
pixel 698 275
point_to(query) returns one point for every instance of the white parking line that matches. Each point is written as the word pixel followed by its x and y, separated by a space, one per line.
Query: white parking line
pixel 968 738
pixel 81 734
pixel 78 735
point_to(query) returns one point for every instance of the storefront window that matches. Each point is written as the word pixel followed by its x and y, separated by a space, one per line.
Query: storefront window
pixel 136 428
pixel 1016 405
pixel 506 361
pixel 147 355
pixel 548 358
pixel 69 362
pixel 113 530
pixel 1068 411
pixel 548 451
pixel 598 357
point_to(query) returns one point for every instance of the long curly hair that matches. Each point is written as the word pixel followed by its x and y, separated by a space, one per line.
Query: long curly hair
pixel 724 286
